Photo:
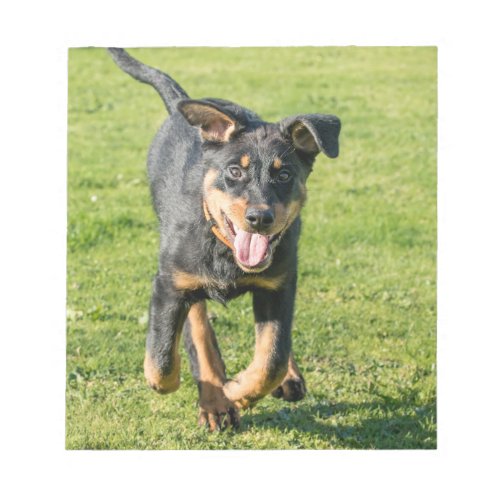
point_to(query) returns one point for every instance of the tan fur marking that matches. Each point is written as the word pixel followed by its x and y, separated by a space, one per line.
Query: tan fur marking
pixel 264 345
pixel 188 281
pixel 293 211
pixel 157 380
pixel 293 370
pixel 303 138
pixel 209 361
pixel 214 406
pixel 256 381
pixel 245 161
pixel 217 201
pixel 262 282
pixel 303 191
pixel 277 163
pixel 209 178
pixel 214 125
pixel 281 215
pixel 286 214
pixel 237 211
pixel 224 132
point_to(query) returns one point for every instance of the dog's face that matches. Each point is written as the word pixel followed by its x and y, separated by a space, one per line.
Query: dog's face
pixel 254 189
pixel 254 186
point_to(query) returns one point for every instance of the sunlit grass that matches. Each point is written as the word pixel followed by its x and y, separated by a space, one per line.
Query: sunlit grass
pixel 365 322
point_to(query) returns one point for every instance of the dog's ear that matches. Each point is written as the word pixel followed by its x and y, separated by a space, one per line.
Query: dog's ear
pixel 215 125
pixel 311 134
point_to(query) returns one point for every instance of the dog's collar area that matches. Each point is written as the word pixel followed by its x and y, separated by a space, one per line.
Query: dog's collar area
pixel 215 229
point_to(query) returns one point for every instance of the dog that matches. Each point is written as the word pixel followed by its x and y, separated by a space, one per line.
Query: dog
pixel 227 188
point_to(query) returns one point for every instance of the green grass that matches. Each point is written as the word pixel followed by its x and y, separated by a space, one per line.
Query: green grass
pixel 365 321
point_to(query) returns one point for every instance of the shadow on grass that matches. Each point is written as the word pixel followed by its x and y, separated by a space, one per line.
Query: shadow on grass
pixel 391 424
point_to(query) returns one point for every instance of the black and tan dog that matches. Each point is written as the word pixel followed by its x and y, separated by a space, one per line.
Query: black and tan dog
pixel 227 188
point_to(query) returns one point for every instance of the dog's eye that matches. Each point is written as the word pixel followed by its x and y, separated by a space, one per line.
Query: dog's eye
pixel 235 172
pixel 284 176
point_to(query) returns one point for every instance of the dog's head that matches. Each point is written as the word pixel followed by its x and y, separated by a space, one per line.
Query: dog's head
pixel 254 185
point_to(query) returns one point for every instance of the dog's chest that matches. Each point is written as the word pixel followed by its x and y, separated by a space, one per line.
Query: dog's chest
pixel 221 290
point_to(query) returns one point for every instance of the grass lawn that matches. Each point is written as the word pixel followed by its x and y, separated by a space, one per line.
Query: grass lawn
pixel 365 323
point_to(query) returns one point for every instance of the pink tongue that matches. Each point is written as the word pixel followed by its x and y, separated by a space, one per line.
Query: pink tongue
pixel 251 248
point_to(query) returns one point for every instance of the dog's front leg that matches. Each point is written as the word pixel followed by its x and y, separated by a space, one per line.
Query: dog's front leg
pixel 273 320
pixel 167 314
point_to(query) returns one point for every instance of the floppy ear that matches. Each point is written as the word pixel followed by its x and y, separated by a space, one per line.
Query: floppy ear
pixel 311 134
pixel 215 125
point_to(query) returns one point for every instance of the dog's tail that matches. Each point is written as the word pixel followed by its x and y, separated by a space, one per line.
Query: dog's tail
pixel 170 91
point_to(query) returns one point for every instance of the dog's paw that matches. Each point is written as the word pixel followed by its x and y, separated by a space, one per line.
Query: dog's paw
pixel 163 384
pixel 216 411
pixel 232 391
pixel 291 389
pixel 215 420
pixel 239 394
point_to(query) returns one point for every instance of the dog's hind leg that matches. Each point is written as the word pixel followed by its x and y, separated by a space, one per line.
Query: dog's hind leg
pixel 166 316
pixel 293 387
pixel 216 411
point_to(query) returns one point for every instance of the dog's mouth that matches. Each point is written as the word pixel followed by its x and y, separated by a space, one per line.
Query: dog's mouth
pixel 253 251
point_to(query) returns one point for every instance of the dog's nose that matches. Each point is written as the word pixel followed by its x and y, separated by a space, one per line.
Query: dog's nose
pixel 259 219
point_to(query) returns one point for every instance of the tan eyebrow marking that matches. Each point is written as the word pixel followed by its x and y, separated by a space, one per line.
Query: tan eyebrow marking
pixel 245 161
pixel 277 163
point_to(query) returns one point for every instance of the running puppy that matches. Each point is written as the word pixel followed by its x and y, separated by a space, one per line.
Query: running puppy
pixel 227 188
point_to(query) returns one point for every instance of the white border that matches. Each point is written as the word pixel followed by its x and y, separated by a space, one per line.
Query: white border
pixel 35 38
